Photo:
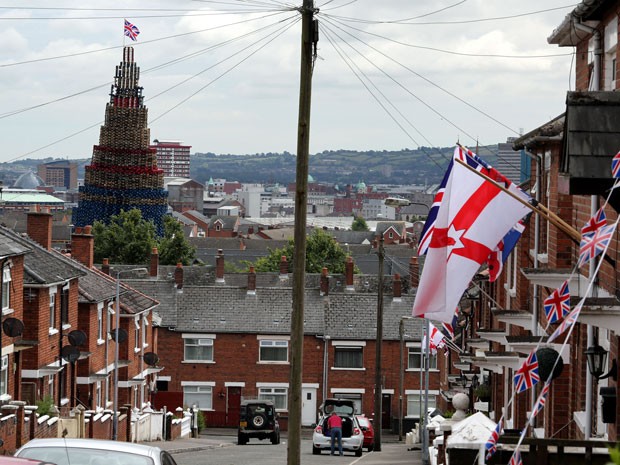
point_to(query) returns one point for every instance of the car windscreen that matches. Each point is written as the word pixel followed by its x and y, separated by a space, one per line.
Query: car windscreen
pixel 79 456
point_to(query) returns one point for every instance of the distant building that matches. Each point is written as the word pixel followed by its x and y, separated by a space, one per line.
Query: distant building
pixel 59 173
pixel 184 194
pixel 172 157
pixel 509 161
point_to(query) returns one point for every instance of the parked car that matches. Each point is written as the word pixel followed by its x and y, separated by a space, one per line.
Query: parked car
pixel 258 419
pixel 352 436
pixel 368 431
pixel 8 460
pixel 68 451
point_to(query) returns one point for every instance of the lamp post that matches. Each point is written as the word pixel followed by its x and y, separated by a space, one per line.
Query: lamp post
pixel 401 334
pixel 117 322
pixel 378 344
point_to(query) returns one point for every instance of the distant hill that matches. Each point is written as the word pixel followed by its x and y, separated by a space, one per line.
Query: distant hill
pixel 425 165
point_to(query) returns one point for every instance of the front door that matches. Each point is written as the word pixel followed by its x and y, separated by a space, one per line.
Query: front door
pixel 386 411
pixel 233 406
pixel 308 406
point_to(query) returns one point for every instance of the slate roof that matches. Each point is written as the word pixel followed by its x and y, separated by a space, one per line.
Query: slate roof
pixel 10 247
pixel 229 223
pixel 42 266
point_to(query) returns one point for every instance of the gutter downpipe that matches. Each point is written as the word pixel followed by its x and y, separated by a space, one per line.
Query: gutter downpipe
pixel 594 86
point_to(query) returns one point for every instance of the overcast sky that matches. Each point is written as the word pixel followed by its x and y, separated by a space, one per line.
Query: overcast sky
pixel 233 88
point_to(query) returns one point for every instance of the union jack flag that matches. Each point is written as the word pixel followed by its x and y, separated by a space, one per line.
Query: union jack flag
pixel 598 220
pixel 570 320
pixel 557 305
pixel 615 166
pixel 131 30
pixel 448 328
pixel 540 402
pixel 593 244
pixel 516 458
pixel 527 375
pixel 491 444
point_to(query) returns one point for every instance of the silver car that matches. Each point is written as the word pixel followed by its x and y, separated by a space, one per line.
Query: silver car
pixel 352 435
pixel 93 452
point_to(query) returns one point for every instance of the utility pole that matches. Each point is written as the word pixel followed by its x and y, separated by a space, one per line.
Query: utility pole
pixel 378 347
pixel 309 37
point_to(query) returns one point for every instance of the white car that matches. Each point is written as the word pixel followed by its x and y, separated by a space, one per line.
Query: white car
pixel 352 435
pixel 67 451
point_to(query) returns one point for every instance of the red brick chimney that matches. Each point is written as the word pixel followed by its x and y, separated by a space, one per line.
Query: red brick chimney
pixel 397 288
pixel 105 266
pixel 83 246
pixel 39 227
pixel 153 269
pixel 283 268
pixel 252 281
pixel 324 283
pixel 348 274
pixel 219 266
pixel 414 272
pixel 178 276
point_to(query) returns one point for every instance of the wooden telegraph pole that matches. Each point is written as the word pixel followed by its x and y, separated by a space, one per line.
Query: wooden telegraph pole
pixel 309 37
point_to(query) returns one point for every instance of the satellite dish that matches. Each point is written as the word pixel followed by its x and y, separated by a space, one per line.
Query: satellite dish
pixel 70 353
pixel 151 358
pixel 122 335
pixel 13 327
pixel 77 337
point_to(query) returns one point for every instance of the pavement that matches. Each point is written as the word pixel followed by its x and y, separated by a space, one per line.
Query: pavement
pixel 213 438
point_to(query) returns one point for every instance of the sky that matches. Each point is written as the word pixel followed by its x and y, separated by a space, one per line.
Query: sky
pixel 223 76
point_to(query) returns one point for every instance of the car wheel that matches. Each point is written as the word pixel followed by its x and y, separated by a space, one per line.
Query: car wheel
pixel 258 421
pixel 242 439
pixel 275 438
pixel 358 452
pixel 316 451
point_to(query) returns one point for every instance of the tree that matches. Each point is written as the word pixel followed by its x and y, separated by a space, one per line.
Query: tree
pixel 174 247
pixel 359 224
pixel 322 250
pixel 127 239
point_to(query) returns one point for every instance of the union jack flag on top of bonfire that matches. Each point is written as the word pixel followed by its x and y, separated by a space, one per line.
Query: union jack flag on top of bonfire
pixel 615 166
pixel 598 220
pixel 491 444
pixel 527 375
pixel 131 30
pixel 557 305
pixel 593 244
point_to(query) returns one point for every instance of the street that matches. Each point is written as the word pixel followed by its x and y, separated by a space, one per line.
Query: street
pixel 264 453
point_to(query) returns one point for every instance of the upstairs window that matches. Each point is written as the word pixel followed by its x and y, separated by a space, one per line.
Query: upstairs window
pixel 198 349
pixel 6 288
pixel 348 357
pixel 273 350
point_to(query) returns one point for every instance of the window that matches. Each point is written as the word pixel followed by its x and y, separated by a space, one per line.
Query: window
pixel 200 395
pixel 415 402
pixel 64 306
pixel 138 340
pixel 198 350
pixel 4 376
pixel 277 395
pixel 50 384
pixel 273 350
pixel 348 357
pixel 6 288
pixel 98 397
pixel 415 360
pixel 52 308
pixel 100 322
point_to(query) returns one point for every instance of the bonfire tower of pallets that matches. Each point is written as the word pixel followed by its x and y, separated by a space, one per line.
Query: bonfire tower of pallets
pixel 123 173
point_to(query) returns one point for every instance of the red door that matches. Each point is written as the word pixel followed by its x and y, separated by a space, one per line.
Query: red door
pixel 233 406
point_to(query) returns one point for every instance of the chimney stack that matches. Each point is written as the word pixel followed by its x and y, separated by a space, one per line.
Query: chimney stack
pixel 414 272
pixel 83 246
pixel 397 288
pixel 252 281
pixel 178 277
pixel 348 274
pixel 154 268
pixel 219 266
pixel 283 268
pixel 324 283
pixel 39 227
pixel 105 266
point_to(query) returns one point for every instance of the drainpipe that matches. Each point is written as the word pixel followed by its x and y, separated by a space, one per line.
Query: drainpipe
pixel 325 365
pixel 594 85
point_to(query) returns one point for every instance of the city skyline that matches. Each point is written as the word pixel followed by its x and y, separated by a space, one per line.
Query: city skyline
pixel 233 88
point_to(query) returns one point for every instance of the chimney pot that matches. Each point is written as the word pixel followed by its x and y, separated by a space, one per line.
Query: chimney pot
pixel 105 266
pixel 397 286
pixel 178 276
pixel 324 286
pixel 219 266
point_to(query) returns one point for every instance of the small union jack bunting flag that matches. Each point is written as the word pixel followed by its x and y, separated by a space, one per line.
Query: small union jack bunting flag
pixel 491 445
pixel 527 375
pixel 516 458
pixel 615 166
pixel 569 321
pixel 593 244
pixel 131 30
pixel 557 305
pixel 598 220
pixel 542 398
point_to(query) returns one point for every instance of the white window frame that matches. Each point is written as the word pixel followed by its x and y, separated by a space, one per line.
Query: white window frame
pixel 6 289
pixel 199 388
pixel 204 340
pixel 137 336
pixel 276 392
pixel 4 377
pixel 350 346
pixel 100 339
pixel 52 311
pixel 415 349
pixel 414 402
pixel 273 342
